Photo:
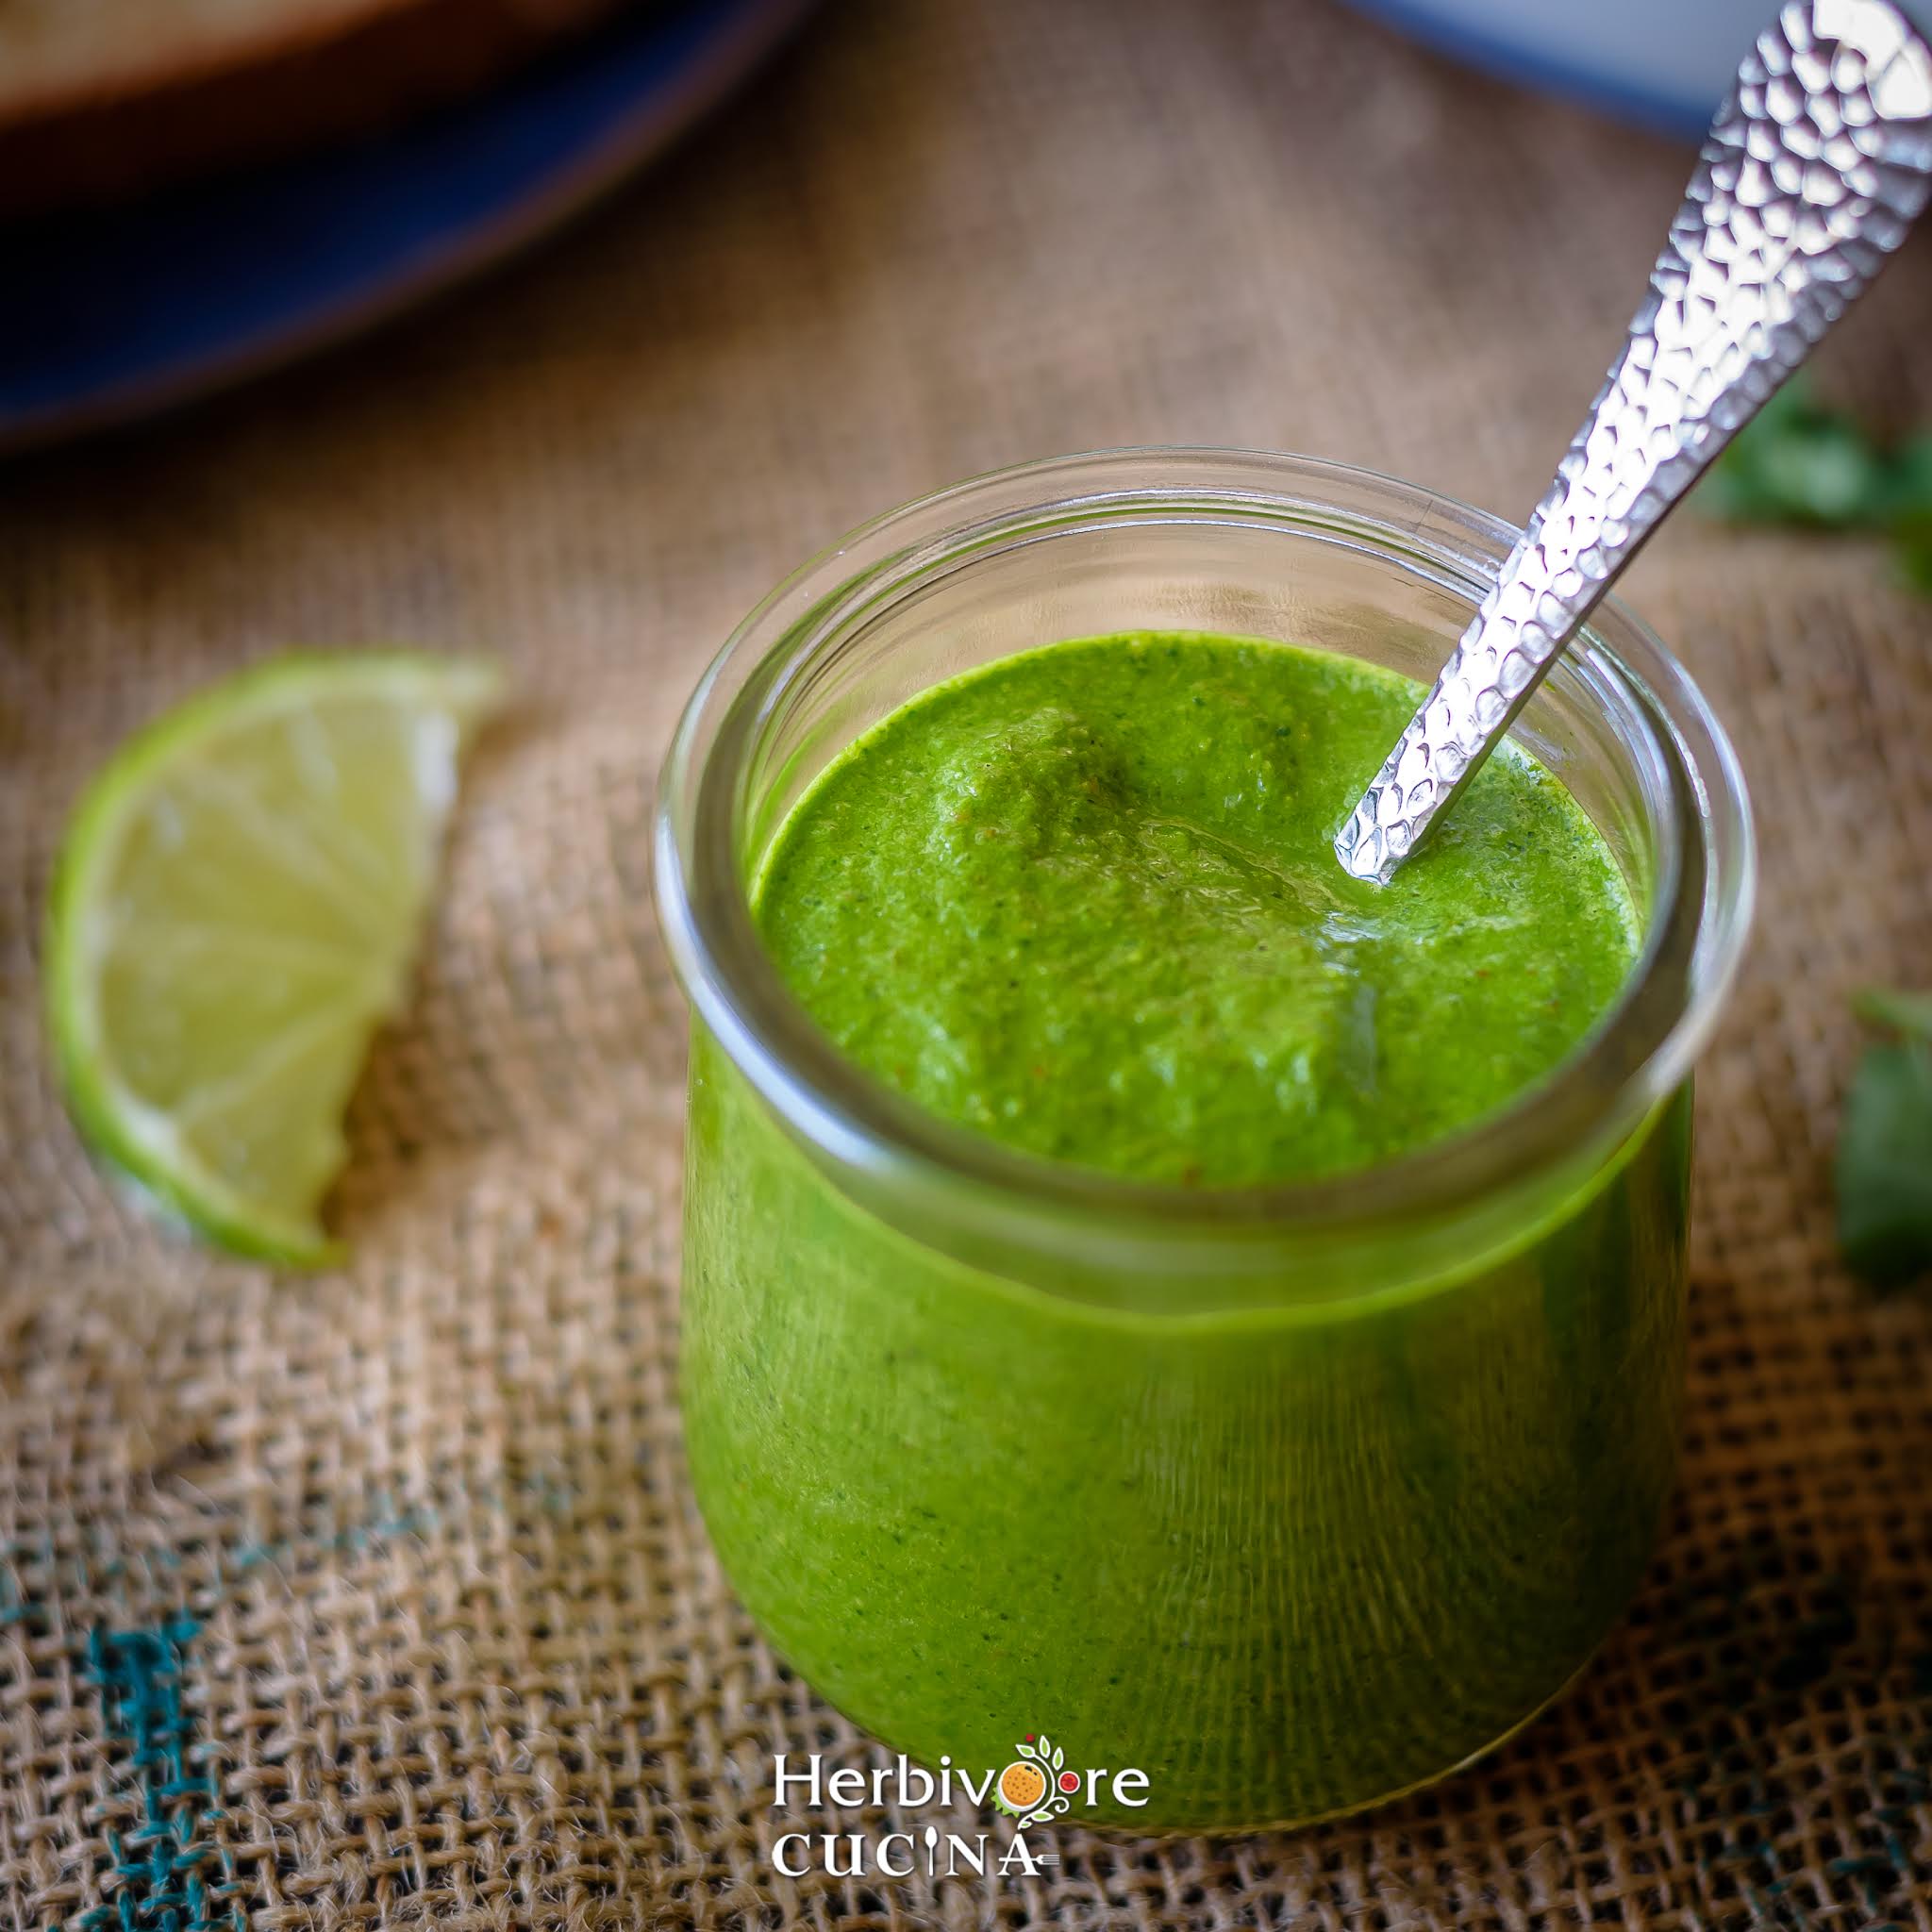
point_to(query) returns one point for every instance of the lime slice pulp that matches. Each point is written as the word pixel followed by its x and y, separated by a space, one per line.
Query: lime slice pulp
pixel 235 912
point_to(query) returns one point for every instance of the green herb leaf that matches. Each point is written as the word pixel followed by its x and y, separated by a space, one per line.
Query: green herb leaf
pixel 1798 462
pixel 1915 562
pixel 1909 512
pixel 1904 1012
pixel 1907 496
pixel 1885 1148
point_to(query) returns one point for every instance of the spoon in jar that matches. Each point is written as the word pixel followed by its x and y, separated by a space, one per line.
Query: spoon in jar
pixel 1815 166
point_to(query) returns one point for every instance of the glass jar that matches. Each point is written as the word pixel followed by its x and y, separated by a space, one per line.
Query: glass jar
pixel 1289 1498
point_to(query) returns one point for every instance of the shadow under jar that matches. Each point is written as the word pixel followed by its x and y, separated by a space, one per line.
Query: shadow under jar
pixel 1291 1498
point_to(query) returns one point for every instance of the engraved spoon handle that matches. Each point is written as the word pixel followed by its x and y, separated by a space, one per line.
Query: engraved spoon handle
pixel 1809 177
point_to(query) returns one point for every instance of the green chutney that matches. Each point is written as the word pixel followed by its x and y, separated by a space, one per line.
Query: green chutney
pixel 1086 900
pixel 1285 1558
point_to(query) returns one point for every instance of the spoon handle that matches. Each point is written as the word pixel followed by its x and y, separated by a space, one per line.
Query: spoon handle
pixel 1809 177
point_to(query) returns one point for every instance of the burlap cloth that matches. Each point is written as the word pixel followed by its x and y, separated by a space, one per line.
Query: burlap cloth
pixel 379 1597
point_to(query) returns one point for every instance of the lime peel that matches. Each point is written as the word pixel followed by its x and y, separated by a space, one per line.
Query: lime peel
pixel 206 1048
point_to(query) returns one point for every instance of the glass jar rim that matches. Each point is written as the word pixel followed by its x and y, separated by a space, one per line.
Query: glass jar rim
pixel 1593 1101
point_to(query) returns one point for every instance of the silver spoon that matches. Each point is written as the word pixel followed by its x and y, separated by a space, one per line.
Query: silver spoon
pixel 1808 179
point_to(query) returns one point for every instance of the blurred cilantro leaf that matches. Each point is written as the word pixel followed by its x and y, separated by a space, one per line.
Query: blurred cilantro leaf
pixel 1885 1146
pixel 1909 510
pixel 1800 462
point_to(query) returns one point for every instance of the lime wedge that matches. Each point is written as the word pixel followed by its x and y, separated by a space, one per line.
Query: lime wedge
pixel 236 911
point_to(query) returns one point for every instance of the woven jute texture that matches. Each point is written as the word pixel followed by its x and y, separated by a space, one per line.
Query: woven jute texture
pixel 379 1597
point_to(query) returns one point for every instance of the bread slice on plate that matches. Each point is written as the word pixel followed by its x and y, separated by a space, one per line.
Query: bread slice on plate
pixel 103 98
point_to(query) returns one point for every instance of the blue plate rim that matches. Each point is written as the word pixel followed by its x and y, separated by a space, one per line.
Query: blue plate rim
pixel 747 33
pixel 1659 112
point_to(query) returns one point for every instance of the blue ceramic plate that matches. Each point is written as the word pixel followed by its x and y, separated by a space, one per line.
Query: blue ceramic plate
pixel 1663 63
pixel 119 311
